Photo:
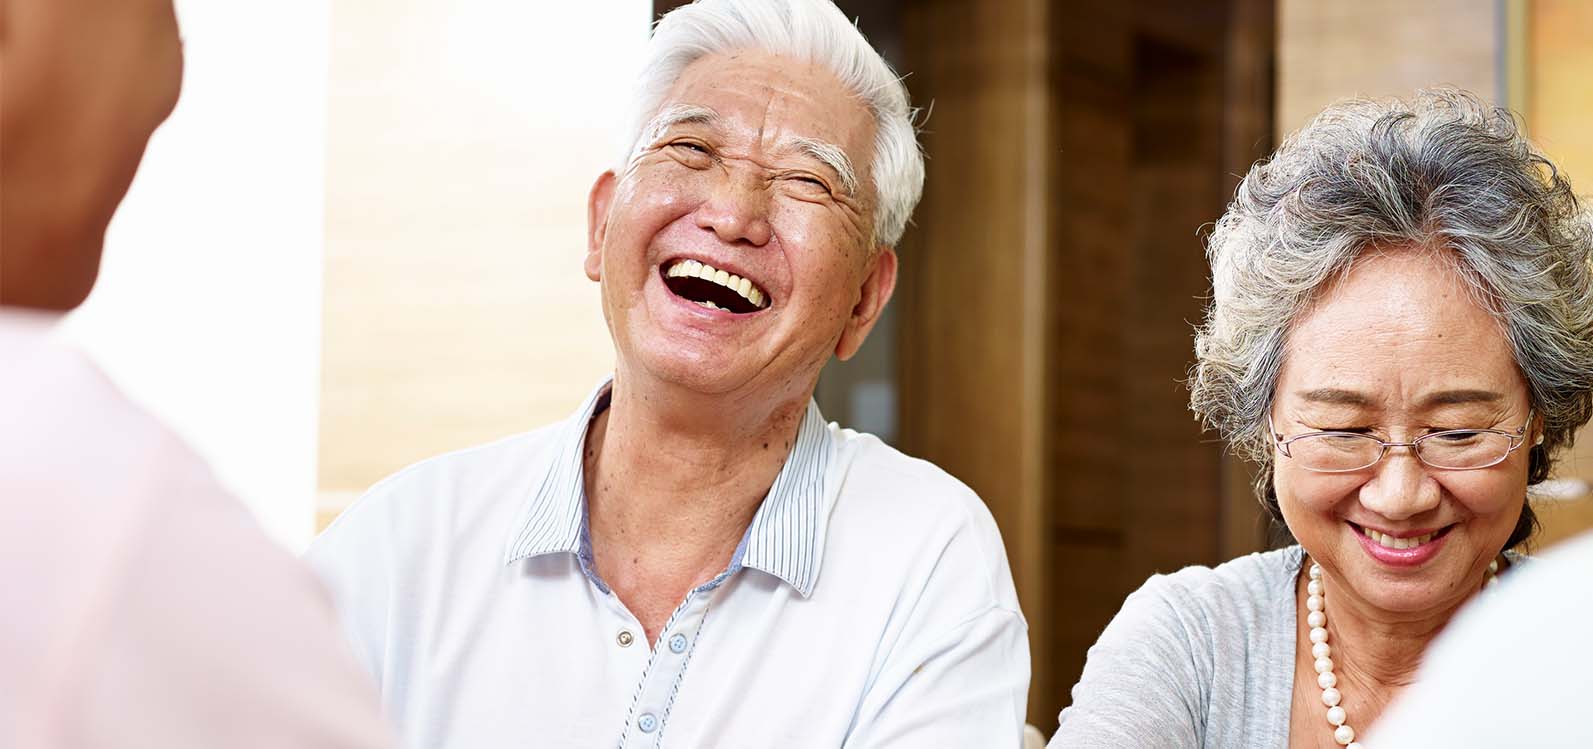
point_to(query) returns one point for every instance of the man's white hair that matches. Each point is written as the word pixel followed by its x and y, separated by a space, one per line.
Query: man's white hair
pixel 810 30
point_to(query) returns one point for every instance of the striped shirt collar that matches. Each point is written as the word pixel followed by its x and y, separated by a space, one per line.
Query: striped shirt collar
pixel 785 539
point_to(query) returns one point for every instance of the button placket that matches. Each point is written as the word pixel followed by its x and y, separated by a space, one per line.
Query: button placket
pixel 656 692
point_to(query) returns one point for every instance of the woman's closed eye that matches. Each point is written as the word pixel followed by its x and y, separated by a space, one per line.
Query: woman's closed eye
pixel 1345 429
pixel 1457 436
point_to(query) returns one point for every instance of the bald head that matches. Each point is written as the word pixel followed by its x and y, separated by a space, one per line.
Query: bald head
pixel 83 84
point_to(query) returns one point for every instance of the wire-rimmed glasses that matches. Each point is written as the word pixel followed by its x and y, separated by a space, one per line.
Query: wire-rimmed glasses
pixel 1451 449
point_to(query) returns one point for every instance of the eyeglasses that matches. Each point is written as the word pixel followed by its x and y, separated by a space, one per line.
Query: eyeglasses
pixel 1451 449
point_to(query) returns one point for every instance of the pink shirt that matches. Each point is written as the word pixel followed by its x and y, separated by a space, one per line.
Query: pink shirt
pixel 140 606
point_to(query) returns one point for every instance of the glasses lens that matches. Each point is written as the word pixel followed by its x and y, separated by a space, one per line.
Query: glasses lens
pixel 1463 449
pixel 1335 452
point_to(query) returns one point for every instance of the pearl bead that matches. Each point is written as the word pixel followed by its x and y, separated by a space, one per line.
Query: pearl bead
pixel 1493 567
pixel 1326 679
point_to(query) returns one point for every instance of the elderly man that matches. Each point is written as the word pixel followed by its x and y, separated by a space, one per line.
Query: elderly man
pixel 694 558
pixel 140 606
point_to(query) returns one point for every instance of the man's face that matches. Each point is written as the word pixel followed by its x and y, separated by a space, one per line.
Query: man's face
pixel 745 171
pixel 86 83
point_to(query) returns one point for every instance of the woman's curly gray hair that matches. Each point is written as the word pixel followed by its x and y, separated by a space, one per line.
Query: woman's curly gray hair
pixel 1442 170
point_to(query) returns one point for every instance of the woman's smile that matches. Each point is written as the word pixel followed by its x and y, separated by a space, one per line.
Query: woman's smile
pixel 1405 549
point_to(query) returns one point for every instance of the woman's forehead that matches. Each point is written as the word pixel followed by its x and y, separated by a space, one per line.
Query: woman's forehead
pixel 1403 324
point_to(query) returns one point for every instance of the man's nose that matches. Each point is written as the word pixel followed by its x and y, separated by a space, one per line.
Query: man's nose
pixel 737 209
pixel 1401 486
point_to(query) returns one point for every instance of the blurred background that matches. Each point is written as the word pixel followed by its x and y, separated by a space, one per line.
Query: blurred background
pixel 357 244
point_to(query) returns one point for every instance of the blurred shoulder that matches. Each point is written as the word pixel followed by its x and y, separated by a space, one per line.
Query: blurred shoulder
pixel 62 414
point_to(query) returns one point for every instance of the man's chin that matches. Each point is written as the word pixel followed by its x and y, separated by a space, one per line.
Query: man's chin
pixel 704 372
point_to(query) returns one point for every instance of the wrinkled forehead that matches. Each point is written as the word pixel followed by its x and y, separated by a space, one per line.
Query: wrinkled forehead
pixel 1401 322
pixel 774 103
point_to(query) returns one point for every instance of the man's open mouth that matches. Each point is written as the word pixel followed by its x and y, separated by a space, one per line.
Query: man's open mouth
pixel 713 288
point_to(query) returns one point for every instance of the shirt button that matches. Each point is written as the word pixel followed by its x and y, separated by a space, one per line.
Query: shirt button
pixel 647 723
pixel 677 644
pixel 625 638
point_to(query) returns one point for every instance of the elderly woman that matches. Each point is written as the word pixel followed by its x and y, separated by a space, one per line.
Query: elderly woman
pixel 1402 337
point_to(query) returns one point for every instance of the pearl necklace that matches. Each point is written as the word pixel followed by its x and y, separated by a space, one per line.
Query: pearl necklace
pixel 1317 618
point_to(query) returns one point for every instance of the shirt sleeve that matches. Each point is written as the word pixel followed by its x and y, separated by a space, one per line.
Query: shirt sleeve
pixel 968 687
pixel 213 636
pixel 1140 685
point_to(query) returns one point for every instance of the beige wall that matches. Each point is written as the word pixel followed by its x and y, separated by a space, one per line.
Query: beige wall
pixel 1328 50
pixel 463 137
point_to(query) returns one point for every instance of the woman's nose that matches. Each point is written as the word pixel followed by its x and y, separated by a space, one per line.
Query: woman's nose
pixel 1401 486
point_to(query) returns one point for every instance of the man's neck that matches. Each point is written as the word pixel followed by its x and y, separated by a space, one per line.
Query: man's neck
pixel 670 494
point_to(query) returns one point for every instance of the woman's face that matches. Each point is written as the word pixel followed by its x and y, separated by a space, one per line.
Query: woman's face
pixel 1399 349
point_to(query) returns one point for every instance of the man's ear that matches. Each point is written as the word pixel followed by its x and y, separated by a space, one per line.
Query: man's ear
pixel 875 292
pixel 597 205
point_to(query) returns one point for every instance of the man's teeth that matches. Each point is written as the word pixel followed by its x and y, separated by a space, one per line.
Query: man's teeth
pixel 1383 539
pixel 742 286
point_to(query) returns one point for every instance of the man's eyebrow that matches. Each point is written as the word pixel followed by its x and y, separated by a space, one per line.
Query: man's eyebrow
pixel 678 114
pixel 833 157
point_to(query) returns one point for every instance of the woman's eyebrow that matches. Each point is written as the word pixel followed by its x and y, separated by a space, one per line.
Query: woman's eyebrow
pixel 1460 397
pixel 1336 396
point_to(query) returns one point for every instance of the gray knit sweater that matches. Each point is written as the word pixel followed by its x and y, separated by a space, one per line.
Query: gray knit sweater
pixel 1199 658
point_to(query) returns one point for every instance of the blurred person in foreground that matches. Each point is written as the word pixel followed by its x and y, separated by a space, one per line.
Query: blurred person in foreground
pixel 694 558
pixel 1401 334
pixel 1471 693
pixel 140 606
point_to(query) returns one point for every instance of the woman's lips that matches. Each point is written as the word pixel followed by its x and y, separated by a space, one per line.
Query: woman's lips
pixel 1411 557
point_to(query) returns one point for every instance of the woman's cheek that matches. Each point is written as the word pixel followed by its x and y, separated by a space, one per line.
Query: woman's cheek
pixel 1482 494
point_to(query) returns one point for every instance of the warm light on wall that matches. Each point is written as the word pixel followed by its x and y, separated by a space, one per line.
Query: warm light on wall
pixel 464 138
pixel 342 259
